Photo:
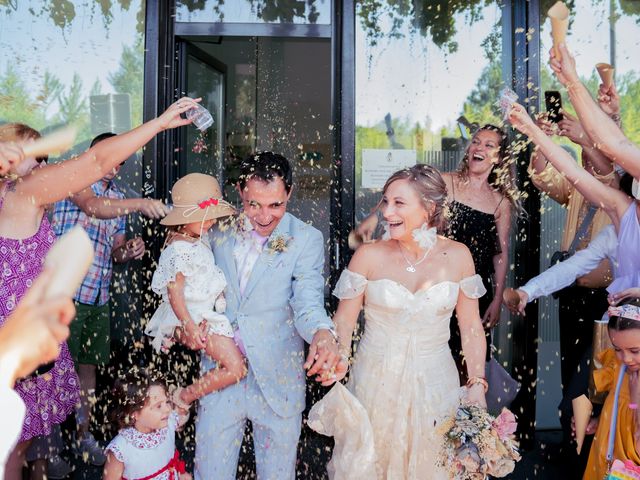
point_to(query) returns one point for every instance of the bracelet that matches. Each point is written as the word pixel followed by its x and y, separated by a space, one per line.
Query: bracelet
pixel 481 380
pixel 633 406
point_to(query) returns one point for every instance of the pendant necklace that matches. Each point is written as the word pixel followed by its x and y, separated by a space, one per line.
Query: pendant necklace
pixel 412 266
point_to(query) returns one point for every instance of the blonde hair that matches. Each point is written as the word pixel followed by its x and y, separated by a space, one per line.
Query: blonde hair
pixel 430 187
pixel 501 177
pixel 17 132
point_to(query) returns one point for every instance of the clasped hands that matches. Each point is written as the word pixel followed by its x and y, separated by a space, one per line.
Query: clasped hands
pixel 324 359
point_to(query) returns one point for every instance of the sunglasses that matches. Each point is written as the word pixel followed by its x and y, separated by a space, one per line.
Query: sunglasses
pixel 44 159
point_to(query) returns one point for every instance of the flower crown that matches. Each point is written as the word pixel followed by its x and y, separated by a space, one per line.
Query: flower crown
pixel 631 312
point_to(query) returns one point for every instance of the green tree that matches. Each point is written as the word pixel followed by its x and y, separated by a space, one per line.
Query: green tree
pixel 129 78
pixel 72 103
pixel 16 104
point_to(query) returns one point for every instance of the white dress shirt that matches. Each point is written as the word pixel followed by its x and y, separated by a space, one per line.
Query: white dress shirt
pixel 246 253
pixel 12 411
pixel 561 275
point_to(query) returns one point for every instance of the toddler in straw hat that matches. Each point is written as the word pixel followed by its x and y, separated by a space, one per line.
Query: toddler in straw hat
pixel 192 287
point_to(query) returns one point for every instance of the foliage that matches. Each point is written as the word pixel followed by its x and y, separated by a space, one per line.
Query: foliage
pixel 430 18
pixel 63 12
pixel 129 78
pixel 271 11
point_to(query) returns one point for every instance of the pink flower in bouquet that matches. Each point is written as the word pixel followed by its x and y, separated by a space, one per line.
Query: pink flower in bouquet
pixel 505 424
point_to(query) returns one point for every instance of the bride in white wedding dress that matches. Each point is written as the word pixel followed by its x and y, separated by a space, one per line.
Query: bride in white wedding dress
pixel 404 379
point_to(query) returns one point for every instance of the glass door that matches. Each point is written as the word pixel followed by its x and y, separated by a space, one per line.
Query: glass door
pixel 203 76
pixel 277 97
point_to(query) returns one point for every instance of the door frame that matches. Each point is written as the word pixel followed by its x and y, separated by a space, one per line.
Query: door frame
pixel 184 49
pixel 523 69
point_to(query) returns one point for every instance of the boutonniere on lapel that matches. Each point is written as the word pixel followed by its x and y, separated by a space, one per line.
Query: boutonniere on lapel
pixel 278 244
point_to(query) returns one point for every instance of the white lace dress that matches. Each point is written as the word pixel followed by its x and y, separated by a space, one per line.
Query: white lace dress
pixel 403 383
pixel 147 455
pixel 203 291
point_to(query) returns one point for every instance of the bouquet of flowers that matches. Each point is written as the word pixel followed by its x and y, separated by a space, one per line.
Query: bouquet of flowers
pixel 477 444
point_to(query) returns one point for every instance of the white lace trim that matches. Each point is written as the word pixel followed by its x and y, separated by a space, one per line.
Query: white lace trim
pixel 350 285
pixel 144 440
pixel 472 286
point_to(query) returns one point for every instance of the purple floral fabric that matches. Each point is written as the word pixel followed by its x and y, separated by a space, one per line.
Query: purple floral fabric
pixel 51 397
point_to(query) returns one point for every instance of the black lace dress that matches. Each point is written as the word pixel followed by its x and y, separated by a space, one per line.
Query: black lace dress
pixel 479 232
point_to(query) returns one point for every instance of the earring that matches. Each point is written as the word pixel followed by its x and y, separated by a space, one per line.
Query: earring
pixel 425 237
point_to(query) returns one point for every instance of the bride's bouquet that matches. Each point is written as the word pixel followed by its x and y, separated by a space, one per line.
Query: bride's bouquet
pixel 477 444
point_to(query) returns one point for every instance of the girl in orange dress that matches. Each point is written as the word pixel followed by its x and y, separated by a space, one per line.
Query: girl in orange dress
pixel 624 331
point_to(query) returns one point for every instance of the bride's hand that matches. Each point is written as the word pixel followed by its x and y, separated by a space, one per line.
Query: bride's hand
pixel 329 377
pixel 475 395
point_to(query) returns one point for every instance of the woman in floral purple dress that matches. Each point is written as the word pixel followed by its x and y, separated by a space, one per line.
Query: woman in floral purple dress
pixel 25 239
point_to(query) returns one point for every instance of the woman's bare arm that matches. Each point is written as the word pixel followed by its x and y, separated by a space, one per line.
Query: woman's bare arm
pixel 613 201
pixel 53 183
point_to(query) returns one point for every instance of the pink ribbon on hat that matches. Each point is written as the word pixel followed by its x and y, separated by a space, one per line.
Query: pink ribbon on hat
pixel 208 203
pixel 205 204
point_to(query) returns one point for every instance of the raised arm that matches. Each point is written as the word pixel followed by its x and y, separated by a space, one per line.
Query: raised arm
pixel 53 183
pixel 613 201
pixel 543 175
pixel 604 131
pixel 571 128
pixel 107 208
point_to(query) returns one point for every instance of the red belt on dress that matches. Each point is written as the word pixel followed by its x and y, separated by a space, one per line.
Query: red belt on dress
pixel 175 464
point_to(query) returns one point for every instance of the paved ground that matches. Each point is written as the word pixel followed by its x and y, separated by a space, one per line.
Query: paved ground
pixel 533 465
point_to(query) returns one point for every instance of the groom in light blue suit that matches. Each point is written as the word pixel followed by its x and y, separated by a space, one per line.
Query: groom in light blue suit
pixel 273 263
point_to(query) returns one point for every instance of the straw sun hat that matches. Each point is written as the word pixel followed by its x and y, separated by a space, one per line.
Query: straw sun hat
pixel 196 198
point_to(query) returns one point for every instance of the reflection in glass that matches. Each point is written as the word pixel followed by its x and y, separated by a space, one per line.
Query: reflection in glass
pixel 417 73
pixel 599 31
pixel 67 61
pixel 278 98
pixel 254 11
pixel 203 149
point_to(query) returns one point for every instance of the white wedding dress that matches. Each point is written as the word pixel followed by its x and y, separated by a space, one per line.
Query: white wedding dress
pixel 402 386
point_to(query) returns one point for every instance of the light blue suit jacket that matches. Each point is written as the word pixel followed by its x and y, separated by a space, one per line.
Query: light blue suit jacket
pixel 282 306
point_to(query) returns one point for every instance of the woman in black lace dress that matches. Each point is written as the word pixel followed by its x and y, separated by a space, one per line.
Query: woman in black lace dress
pixel 482 197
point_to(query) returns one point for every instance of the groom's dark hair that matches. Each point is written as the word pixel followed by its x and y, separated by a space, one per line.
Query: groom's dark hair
pixel 265 166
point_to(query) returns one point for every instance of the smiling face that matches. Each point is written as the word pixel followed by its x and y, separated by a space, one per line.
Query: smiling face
pixel 484 151
pixel 264 203
pixel 626 344
pixel 155 413
pixel 403 210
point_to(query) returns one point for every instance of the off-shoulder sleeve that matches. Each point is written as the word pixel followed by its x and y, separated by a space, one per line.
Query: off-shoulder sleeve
pixel 350 285
pixel 472 286
pixel 604 378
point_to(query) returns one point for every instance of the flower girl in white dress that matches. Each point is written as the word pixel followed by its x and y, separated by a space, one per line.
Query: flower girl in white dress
pixel 404 383
pixel 192 286
pixel 144 448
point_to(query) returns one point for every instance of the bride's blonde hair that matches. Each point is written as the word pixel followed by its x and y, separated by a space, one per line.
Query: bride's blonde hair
pixel 430 187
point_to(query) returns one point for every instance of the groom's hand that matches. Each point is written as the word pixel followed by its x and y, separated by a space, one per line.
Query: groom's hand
pixel 323 354
pixel 329 377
